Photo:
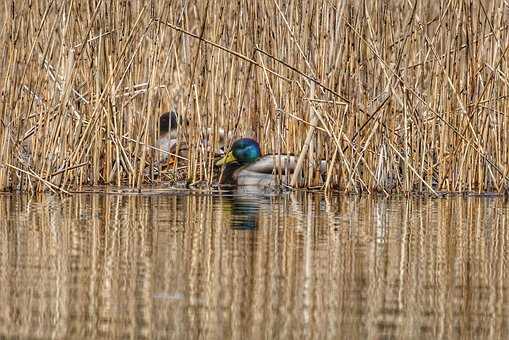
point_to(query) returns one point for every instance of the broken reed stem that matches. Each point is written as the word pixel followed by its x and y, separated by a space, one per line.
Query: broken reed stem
pixel 52 187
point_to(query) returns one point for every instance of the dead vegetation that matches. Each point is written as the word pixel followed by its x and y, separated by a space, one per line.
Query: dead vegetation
pixel 397 96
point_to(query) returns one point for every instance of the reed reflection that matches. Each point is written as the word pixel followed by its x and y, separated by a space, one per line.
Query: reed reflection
pixel 243 206
pixel 309 266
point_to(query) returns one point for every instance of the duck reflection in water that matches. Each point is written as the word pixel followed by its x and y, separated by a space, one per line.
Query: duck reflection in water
pixel 244 207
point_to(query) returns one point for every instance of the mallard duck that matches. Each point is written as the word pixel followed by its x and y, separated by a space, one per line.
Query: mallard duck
pixel 167 142
pixel 171 145
pixel 245 166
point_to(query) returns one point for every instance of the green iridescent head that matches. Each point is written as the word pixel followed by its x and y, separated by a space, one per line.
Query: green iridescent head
pixel 243 151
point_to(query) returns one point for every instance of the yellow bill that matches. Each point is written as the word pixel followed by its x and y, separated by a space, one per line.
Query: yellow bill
pixel 227 159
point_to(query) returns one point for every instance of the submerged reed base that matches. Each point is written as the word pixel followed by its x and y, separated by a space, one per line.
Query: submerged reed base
pixel 399 96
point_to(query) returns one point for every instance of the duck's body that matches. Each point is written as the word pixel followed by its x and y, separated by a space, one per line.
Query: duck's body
pixel 244 166
pixel 261 173
pixel 168 127
pixel 170 145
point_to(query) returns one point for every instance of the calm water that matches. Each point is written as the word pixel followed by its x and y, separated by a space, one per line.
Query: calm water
pixel 300 266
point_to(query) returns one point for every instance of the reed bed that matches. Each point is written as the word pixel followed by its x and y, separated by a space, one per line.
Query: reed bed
pixel 398 96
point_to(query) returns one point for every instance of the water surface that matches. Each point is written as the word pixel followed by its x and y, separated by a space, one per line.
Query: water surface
pixel 247 266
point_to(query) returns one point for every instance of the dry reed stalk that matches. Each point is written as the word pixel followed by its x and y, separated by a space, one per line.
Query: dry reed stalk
pixel 82 86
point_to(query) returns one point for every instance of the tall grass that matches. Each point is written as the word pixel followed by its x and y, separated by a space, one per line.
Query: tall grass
pixel 397 96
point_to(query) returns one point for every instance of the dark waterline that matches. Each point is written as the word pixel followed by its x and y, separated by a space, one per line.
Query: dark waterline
pixel 248 266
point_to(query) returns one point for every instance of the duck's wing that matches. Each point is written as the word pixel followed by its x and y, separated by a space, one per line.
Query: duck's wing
pixel 254 179
pixel 270 163
pixel 171 147
pixel 166 144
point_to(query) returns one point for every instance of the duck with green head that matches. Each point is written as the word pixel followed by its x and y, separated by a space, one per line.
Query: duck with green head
pixel 245 166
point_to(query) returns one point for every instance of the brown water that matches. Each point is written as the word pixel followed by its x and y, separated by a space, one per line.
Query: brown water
pixel 299 266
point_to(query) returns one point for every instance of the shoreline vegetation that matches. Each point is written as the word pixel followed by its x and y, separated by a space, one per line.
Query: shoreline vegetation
pixel 396 97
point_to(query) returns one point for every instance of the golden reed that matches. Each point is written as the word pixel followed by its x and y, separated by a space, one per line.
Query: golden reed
pixel 397 97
